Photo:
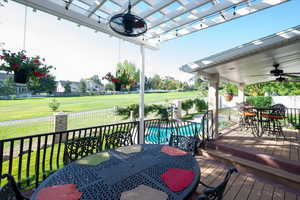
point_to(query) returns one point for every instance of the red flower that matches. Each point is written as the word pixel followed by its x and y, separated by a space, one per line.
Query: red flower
pixel 36 61
pixel 115 80
pixel 37 74
pixel 15 67
pixel 23 57
pixel 2 57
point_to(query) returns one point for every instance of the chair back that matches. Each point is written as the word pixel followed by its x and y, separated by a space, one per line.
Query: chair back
pixel 278 109
pixel 10 191
pixel 118 138
pixel 185 143
pixel 216 193
pixel 80 147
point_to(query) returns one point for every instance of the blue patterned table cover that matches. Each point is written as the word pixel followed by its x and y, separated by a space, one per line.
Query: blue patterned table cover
pixel 124 172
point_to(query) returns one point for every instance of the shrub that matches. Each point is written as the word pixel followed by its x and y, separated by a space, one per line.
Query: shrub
pixel 200 105
pixel 187 105
pixel 260 101
pixel 54 105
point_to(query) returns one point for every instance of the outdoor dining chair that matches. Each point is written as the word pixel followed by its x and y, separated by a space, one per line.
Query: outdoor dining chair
pixel 79 148
pixel 118 138
pixel 274 120
pixel 185 143
pixel 216 193
pixel 10 191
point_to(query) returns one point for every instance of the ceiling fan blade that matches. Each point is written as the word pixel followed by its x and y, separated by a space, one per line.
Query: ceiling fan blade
pixel 258 75
pixel 290 75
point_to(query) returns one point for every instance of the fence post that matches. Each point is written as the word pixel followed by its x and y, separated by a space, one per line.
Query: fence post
pixel 60 124
pixel 178 111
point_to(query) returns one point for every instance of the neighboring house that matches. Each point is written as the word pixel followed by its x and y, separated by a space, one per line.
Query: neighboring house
pixel 74 86
pixel 169 78
pixel 91 86
pixel 20 88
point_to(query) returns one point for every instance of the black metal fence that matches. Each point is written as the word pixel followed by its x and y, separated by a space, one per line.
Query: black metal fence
pixel 293 117
pixel 31 159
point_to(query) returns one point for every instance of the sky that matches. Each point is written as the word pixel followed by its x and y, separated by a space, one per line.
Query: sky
pixel 79 52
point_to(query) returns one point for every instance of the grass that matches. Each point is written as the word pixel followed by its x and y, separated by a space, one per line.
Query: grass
pixel 37 107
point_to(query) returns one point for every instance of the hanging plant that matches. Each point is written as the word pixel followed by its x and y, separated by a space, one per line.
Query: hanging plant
pixel 228 94
pixel 24 68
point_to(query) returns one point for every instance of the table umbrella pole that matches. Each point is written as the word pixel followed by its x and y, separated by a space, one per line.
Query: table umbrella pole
pixel 142 103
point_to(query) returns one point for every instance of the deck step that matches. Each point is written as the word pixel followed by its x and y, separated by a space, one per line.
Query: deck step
pixel 276 175
pixel 259 157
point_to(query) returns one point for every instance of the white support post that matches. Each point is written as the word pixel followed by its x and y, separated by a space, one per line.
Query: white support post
pixel 213 100
pixel 142 102
pixel 241 93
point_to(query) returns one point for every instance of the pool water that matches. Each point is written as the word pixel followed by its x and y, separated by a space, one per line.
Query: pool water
pixel 161 135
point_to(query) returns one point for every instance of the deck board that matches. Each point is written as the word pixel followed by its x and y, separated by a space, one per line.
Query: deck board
pixel 288 149
pixel 241 186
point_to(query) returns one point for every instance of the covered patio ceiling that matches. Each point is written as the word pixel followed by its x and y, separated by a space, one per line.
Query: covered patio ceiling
pixel 167 19
pixel 239 64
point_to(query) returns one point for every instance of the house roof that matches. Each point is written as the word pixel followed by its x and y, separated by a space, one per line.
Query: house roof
pixel 166 20
pixel 240 63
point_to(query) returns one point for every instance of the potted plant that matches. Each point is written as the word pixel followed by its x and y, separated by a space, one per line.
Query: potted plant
pixel 23 67
pixel 114 80
pixel 228 93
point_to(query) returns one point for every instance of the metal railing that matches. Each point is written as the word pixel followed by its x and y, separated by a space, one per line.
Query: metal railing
pixel 293 117
pixel 31 159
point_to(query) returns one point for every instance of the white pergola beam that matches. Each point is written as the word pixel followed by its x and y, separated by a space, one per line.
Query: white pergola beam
pixel 61 12
pixel 213 10
pixel 95 7
pixel 157 7
pixel 255 7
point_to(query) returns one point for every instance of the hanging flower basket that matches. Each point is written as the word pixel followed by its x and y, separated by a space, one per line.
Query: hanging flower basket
pixel 24 68
pixel 228 96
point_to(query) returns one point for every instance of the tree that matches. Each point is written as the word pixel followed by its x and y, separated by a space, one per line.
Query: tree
pixel 7 87
pixel 96 80
pixel 82 86
pixel 46 84
pixel 67 87
pixel 187 105
pixel 156 82
pixel 109 87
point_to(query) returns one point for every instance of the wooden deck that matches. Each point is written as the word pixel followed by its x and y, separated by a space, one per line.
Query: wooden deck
pixel 241 186
pixel 288 148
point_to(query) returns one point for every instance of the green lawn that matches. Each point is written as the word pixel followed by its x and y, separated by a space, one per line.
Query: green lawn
pixel 37 107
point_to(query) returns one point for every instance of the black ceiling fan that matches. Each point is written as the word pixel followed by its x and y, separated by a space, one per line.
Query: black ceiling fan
pixel 280 75
pixel 127 24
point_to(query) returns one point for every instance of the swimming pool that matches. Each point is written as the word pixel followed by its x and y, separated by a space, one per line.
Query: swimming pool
pixel 161 135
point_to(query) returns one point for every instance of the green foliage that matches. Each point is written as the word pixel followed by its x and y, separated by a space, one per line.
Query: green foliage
pixel 260 101
pixel 82 86
pixel 187 105
pixel 109 87
pixel 229 88
pixel 7 87
pixel 200 105
pixel 159 110
pixel 54 105
pixel 67 87
pixel 47 85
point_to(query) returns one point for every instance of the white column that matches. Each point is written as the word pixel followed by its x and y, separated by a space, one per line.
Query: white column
pixel 213 100
pixel 142 103
pixel 241 94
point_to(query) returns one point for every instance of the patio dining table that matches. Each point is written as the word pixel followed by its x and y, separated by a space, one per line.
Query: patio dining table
pixel 119 173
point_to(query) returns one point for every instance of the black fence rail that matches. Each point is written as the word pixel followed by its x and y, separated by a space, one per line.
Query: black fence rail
pixel 32 159
pixel 293 117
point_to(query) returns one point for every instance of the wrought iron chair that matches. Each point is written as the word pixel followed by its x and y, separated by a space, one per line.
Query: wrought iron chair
pixel 79 148
pixel 10 191
pixel 119 138
pixel 274 120
pixel 216 193
pixel 185 143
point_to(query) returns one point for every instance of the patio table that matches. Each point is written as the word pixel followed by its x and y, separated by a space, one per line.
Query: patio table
pixel 122 170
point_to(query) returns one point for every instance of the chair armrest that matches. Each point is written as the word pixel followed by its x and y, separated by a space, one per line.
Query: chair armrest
pixel 207 186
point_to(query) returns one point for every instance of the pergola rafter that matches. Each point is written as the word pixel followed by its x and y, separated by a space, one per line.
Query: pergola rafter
pixel 166 20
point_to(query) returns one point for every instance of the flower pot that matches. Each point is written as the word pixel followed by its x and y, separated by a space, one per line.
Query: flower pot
pixel 228 97
pixel 20 76
pixel 117 86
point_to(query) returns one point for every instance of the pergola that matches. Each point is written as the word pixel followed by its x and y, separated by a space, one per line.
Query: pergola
pixel 248 63
pixel 166 20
